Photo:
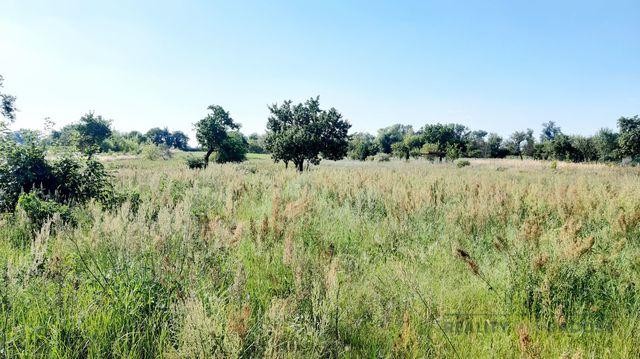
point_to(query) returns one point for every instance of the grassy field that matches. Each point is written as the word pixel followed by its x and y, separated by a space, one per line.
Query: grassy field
pixel 502 258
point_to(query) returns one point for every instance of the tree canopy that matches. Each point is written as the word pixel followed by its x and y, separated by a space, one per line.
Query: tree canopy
pixel 211 131
pixel 304 132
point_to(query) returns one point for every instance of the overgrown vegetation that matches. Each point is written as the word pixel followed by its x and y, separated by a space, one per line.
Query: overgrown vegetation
pixel 366 260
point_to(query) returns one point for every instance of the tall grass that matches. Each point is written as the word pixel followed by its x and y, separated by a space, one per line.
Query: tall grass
pixel 350 259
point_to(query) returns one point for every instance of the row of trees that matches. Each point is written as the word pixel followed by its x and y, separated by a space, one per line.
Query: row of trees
pixel 305 133
pixel 454 140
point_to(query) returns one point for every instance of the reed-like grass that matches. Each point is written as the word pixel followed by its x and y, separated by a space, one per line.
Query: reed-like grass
pixel 497 259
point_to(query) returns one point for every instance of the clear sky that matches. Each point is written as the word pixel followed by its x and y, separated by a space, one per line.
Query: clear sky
pixel 495 65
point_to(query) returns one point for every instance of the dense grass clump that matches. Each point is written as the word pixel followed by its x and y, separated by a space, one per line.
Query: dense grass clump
pixel 501 259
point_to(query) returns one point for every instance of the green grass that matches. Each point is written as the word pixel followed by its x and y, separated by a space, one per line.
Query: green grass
pixel 349 259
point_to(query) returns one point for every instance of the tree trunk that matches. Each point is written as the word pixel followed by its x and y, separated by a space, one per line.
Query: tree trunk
pixel 299 165
pixel 206 157
pixel 286 164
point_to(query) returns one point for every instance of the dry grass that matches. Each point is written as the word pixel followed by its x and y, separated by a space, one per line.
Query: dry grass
pixel 251 260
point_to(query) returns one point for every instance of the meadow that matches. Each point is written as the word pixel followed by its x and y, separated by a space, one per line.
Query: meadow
pixel 502 258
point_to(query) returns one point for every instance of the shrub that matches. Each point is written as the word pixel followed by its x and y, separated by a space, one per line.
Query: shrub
pixel 38 210
pixel 68 180
pixel 462 163
pixel 382 157
pixel 554 165
pixel 155 152
pixel 195 162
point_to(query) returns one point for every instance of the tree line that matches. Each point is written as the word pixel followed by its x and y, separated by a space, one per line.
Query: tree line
pixel 304 133
pixel 451 141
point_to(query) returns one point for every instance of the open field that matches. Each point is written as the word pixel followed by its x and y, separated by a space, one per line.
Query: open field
pixel 504 258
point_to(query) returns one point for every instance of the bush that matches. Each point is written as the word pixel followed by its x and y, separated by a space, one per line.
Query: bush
pixel 68 180
pixel 155 152
pixel 38 210
pixel 195 162
pixel 382 157
pixel 462 163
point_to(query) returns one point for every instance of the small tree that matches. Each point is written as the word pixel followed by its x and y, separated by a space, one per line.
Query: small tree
pixel 361 146
pixel 233 148
pixel 211 131
pixel 93 131
pixel 304 132
pixel 629 138
pixel 7 103
pixel 179 140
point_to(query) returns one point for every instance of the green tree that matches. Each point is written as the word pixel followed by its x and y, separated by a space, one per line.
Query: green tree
pixel 92 132
pixel 521 143
pixel 304 132
pixel 7 104
pixel 179 140
pixel 256 143
pixel 446 136
pixel 159 136
pixel 494 143
pixel 606 145
pixel 389 135
pixel 361 146
pixel 629 139
pixel 549 131
pixel 410 146
pixel 212 130
pixel 233 148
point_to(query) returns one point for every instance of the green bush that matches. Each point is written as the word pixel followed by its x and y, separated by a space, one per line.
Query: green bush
pixel 462 163
pixel 38 210
pixel 195 162
pixel 68 180
pixel 154 152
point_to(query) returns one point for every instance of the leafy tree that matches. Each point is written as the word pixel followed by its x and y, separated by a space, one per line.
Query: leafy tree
pixel 304 132
pixel 389 135
pixel 446 136
pixel 410 146
pixel 476 144
pixel 629 139
pixel 233 148
pixel 606 145
pixel 584 149
pixel 93 131
pixel 361 146
pixel 179 140
pixel 549 131
pixel 212 130
pixel 521 143
pixel 494 144
pixel 256 143
pixel 159 136
pixel 7 104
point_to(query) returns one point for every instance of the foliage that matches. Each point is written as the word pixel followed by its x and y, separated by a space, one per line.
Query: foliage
pixel 304 132
pixel 351 260
pixel 232 149
pixel 361 146
pixel 211 131
pixel 66 180
pixel 195 162
pixel 38 211
pixel 92 132
pixel 162 137
pixel 462 163
pixel 156 152
pixel 256 143
pixel 629 138
pixel 7 104
pixel 389 135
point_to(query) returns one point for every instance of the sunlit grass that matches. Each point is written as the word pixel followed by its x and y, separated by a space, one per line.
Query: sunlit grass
pixel 349 259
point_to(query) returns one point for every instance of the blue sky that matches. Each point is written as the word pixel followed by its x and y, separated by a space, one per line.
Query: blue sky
pixel 496 65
